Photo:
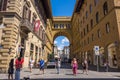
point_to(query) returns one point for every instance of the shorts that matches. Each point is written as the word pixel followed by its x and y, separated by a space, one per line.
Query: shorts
pixel 41 67
pixel 84 67
pixel 31 66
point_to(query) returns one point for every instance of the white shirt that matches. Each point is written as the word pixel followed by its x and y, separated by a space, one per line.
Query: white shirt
pixel 31 62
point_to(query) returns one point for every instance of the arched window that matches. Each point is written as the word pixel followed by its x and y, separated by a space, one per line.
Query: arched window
pixel 96 2
pixel 91 23
pixel 105 8
pixel 90 8
pixel 97 17
pixel 86 14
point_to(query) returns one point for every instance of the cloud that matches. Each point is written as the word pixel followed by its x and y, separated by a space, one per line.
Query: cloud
pixel 64 40
pixel 55 42
pixel 60 47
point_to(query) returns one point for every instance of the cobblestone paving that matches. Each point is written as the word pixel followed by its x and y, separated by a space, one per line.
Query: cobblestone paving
pixel 51 74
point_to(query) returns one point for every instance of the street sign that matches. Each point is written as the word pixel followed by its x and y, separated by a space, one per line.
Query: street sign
pixel 96 49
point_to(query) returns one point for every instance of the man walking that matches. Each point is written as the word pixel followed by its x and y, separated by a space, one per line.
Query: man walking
pixel 42 63
pixel 58 64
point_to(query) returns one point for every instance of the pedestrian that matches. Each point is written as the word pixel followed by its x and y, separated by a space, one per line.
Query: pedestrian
pixel 106 66
pixel 58 64
pixel 74 65
pixel 11 69
pixel 18 66
pixel 31 63
pixel 85 66
pixel 42 63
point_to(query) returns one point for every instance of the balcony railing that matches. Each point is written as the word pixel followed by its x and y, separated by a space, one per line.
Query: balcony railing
pixel 26 25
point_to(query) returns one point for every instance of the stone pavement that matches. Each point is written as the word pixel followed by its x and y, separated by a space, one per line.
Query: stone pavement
pixel 65 74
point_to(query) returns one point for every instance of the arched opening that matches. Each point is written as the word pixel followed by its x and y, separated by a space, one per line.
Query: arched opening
pixel 61 48
pixel 112 57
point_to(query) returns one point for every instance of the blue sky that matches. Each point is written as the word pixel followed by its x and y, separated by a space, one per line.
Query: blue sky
pixel 62 7
pixel 61 41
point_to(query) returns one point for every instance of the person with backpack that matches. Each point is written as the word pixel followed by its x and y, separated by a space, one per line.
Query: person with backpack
pixel 74 65
pixel 42 63
pixel 18 66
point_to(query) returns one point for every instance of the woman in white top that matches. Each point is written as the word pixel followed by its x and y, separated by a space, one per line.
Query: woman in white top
pixel 31 63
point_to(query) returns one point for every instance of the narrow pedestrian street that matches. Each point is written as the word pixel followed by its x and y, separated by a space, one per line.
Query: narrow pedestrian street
pixel 65 74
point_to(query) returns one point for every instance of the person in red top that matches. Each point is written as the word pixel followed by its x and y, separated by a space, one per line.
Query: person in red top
pixel 18 66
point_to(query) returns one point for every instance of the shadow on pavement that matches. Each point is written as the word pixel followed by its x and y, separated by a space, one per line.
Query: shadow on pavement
pixel 78 79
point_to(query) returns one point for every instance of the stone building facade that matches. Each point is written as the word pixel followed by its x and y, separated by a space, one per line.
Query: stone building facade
pixel 97 22
pixel 22 36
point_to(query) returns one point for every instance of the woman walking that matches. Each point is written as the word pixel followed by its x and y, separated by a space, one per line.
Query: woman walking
pixel 11 69
pixel 85 66
pixel 31 63
pixel 74 65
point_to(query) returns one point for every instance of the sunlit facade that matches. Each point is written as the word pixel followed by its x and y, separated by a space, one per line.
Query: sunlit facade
pixel 25 30
pixel 96 23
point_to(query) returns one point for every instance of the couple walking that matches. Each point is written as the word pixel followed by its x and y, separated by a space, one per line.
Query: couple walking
pixel 74 65
pixel 18 65
pixel 41 64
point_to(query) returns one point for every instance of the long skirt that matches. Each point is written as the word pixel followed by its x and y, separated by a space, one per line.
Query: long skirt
pixel 74 70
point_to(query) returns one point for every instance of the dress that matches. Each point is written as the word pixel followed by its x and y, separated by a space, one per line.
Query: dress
pixel 11 68
pixel 74 67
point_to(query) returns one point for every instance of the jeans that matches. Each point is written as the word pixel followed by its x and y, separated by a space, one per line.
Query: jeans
pixel 58 70
pixel 17 74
